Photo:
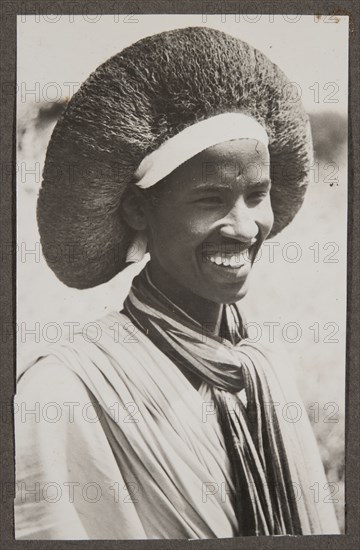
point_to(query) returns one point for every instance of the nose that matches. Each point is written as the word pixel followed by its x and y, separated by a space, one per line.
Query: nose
pixel 240 224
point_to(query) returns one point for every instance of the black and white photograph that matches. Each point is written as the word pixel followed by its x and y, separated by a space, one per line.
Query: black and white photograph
pixel 181 275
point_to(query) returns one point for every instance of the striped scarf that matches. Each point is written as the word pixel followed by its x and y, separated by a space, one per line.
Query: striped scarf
pixel 264 500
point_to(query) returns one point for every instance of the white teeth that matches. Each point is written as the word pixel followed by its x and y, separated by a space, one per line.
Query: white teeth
pixel 234 261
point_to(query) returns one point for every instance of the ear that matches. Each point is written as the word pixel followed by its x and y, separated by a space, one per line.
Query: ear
pixel 133 209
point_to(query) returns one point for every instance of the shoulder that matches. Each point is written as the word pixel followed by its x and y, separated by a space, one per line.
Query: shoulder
pixel 56 415
pixel 48 378
pixel 90 366
pixel 49 402
pixel 49 367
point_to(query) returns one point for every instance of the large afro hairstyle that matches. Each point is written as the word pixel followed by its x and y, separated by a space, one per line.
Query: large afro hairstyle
pixel 126 109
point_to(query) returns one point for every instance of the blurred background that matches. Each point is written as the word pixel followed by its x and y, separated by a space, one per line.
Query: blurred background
pixel 297 295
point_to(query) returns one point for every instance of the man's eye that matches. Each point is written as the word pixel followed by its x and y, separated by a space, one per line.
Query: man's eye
pixel 211 200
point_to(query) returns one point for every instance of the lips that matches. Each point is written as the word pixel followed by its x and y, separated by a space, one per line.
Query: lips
pixel 227 248
pixel 231 267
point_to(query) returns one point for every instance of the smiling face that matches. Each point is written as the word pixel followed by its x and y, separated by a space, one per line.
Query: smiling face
pixel 213 216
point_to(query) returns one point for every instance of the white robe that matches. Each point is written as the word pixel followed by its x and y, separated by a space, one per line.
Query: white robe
pixel 113 442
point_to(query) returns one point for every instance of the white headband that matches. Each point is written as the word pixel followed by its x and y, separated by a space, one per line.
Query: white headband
pixel 194 139
pixel 185 145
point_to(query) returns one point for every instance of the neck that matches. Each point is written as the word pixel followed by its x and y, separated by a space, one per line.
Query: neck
pixel 208 314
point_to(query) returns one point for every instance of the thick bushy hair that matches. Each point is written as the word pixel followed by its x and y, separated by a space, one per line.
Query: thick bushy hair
pixel 126 109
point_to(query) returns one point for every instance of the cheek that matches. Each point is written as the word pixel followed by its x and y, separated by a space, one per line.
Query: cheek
pixel 177 227
pixel 170 236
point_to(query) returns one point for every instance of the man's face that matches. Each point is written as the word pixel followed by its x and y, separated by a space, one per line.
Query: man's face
pixel 212 219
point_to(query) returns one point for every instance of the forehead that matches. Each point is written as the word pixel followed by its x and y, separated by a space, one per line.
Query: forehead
pixel 241 150
pixel 236 160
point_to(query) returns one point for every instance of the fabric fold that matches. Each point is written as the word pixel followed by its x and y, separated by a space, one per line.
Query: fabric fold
pixel 160 442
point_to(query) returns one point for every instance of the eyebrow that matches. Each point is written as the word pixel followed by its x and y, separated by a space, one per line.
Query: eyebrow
pixel 218 186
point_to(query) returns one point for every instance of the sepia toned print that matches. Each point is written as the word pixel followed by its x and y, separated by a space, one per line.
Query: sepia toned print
pixel 180 162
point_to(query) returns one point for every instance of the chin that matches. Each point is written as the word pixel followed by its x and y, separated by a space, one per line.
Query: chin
pixel 223 298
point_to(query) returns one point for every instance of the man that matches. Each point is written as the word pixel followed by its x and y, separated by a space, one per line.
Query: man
pixel 186 440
